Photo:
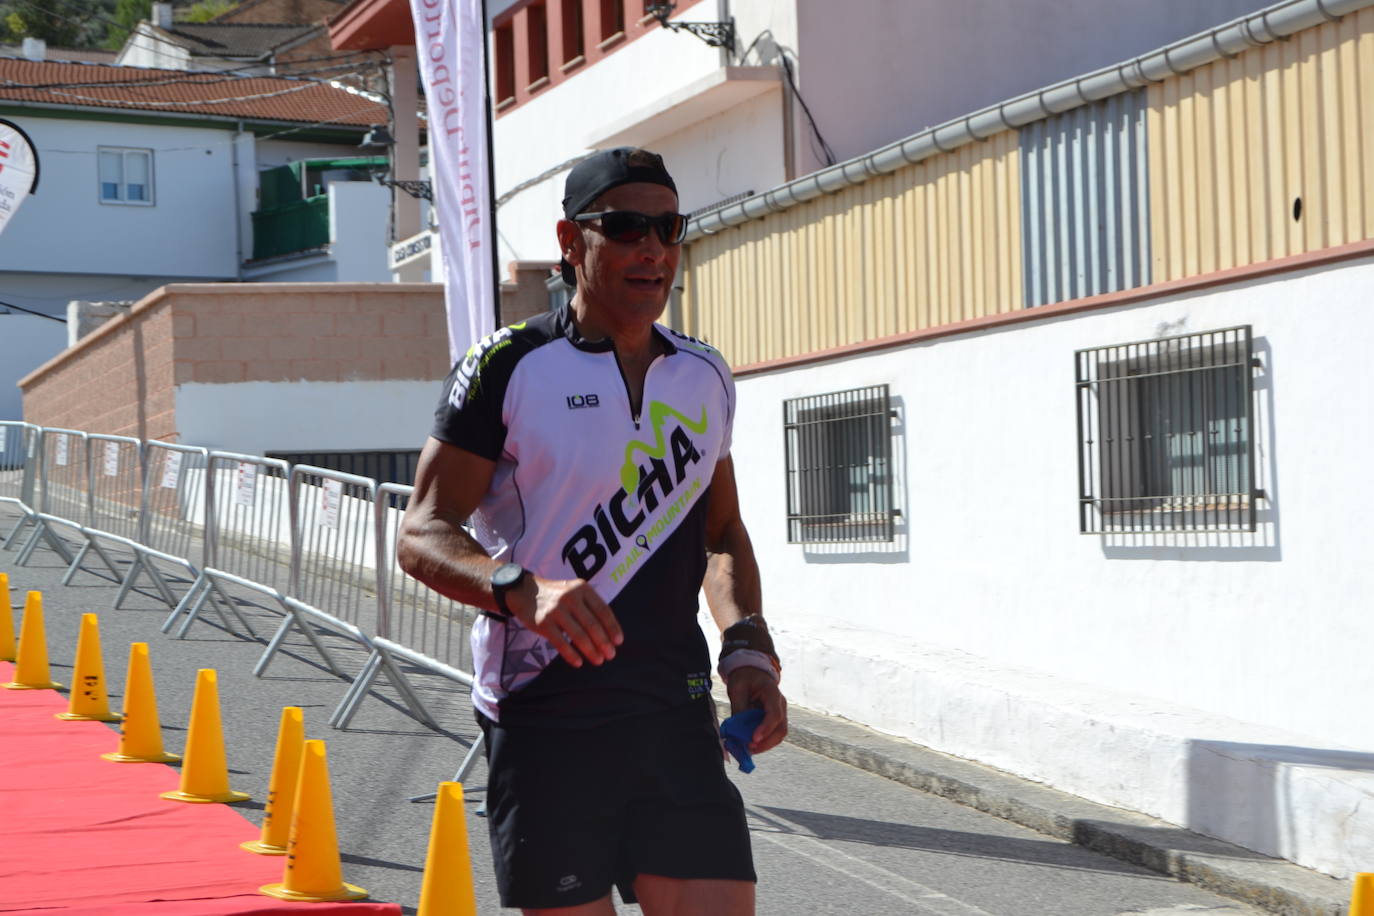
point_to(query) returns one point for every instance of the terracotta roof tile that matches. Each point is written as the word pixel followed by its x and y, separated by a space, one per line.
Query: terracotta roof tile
pixel 139 89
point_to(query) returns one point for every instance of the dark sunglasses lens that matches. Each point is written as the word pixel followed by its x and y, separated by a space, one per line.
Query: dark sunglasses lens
pixel 625 226
pixel 673 228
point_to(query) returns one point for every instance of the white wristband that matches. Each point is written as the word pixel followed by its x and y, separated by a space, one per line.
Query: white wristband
pixel 747 658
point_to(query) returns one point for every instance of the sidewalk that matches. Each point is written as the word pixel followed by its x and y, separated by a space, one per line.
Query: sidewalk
pixel 1269 884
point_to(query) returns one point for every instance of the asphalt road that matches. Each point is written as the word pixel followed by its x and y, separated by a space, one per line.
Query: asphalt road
pixel 828 838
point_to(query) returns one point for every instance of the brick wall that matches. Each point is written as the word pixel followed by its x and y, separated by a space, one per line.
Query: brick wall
pixel 122 378
pixel 116 380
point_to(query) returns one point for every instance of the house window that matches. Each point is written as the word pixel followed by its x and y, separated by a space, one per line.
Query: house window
pixel 505 64
pixel 537 33
pixel 839 466
pixel 612 19
pixel 1166 434
pixel 572 30
pixel 126 176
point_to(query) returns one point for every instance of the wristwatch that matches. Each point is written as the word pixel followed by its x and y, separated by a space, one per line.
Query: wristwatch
pixel 506 577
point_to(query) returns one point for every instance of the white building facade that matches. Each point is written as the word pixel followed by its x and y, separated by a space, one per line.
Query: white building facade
pixel 735 122
pixel 129 201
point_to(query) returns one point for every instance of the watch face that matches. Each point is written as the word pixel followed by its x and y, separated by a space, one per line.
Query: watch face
pixel 507 575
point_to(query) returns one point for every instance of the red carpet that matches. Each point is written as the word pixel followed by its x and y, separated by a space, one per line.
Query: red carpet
pixel 81 836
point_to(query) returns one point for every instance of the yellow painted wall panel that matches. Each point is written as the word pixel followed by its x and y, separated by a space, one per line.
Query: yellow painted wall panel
pixel 1234 145
pixel 929 244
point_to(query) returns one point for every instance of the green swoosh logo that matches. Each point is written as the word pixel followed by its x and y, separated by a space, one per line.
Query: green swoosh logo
pixel 658 412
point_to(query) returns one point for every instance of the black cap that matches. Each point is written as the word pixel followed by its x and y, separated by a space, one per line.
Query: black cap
pixel 600 172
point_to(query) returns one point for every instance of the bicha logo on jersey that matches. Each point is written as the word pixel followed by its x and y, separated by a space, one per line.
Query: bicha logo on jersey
pixel 659 495
pixel 478 355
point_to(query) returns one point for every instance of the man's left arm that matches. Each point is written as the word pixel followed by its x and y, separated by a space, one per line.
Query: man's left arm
pixel 735 597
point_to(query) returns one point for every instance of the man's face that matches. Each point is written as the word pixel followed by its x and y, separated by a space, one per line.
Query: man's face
pixel 620 276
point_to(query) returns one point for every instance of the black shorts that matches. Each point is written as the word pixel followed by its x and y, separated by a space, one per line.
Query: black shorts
pixel 573 811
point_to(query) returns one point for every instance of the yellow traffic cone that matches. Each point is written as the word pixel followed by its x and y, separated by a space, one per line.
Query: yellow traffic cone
pixel 6 620
pixel 447 886
pixel 204 772
pixel 31 670
pixel 140 737
pixel 281 788
pixel 1362 898
pixel 88 701
pixel 312 868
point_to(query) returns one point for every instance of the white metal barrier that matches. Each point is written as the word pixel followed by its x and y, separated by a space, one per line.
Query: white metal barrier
pixel 63 498
pixel 321 544
pixel 171 518
pixel 247 536
pixel 19 444
pixel 419 626
pixel 333 577
pixel 114 491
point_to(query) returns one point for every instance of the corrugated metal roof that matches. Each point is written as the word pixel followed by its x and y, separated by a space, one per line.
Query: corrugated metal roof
pixel 146 90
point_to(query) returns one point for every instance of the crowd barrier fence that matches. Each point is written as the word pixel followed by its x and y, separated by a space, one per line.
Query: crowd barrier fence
pixel 62 494
pixel 320 544
pixel 18 451
pixel 171 518
pixel 114 490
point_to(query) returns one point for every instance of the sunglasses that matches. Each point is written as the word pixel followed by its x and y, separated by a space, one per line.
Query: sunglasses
pixel 631 226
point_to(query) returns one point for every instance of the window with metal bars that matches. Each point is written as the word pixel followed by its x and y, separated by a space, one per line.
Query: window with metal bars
pixel 839 466
pixel 1166 434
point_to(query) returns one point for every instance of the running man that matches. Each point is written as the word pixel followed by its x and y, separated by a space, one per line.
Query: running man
pixel 590 447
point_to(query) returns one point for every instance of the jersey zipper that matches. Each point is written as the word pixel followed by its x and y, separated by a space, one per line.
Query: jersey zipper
pixel 629 397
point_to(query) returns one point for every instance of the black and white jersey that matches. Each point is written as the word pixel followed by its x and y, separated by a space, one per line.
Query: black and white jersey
pixel 584 489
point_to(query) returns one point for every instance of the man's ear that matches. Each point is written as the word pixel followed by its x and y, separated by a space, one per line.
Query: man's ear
pixel 570 242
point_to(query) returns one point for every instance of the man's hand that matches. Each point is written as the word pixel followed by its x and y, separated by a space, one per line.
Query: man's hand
pixel 753 687
pixel 571 615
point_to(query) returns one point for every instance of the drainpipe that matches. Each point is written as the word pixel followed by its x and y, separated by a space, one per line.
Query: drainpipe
pixel 1271 24
pixel 238 203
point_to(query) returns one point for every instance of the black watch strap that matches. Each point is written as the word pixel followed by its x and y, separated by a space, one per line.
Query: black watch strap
pixel 506 577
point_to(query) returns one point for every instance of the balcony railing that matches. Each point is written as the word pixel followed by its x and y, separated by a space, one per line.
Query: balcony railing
pixel 297 226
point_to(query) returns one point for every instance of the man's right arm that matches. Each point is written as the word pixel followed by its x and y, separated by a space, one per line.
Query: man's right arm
pixel 436 549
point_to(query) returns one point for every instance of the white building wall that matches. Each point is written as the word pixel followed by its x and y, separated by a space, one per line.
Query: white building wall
pixel 146 49
pixel 557 126
pixel 65 228
pixel 26 342
pixel 1171 675
pixel 732 152
pixel 257 417
pixel 878 71
pixel 358 231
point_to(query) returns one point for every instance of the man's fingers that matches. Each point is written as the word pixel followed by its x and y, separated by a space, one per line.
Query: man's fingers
pixel 560 642
pixel 773 729
pixel 605 617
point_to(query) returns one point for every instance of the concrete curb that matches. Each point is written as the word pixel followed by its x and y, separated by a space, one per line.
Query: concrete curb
pixel 1269 884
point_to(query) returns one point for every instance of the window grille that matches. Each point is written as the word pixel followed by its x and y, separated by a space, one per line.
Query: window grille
pixel 839 466
pixel 1166 434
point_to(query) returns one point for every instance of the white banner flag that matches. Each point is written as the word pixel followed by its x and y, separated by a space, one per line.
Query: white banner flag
pixel 18 169
pixel 449 37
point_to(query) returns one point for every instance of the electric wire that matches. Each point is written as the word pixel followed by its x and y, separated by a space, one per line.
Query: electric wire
pixel 20 308
pixel 818 144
